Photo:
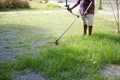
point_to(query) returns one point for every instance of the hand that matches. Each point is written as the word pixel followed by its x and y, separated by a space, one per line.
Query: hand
pixel 85 13
pixel 69 9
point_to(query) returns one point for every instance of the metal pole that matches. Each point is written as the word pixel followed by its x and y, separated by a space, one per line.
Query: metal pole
pixel 56 42
pixel 118 17
pixel 113 12
pixel 67 28
pixel 117 2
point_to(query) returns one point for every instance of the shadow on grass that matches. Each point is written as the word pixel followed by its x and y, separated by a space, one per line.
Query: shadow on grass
pixel 16 9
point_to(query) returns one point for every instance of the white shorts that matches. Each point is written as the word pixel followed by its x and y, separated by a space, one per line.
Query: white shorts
pixel 88 19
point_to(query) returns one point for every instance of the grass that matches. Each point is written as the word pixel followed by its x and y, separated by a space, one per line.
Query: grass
pixel 77 57
pixel 45 6
pixel 5 69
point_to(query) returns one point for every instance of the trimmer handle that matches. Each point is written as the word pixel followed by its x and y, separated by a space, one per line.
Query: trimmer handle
pixel 67 6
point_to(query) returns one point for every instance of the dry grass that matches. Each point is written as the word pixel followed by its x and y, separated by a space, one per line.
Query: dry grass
pixel 14 4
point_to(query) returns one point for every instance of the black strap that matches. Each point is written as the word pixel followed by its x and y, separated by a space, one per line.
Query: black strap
pixel 67 4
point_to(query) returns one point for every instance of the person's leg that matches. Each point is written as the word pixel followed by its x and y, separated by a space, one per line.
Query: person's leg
pixel 90 30
pixel 84 25
pixel 90 20
pixel 85 29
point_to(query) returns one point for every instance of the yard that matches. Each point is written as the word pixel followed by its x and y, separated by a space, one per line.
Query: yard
pixel 26 46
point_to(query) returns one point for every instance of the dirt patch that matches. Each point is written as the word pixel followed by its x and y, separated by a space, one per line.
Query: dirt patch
pixel 112 72
pixel 31 76
pixel 12 44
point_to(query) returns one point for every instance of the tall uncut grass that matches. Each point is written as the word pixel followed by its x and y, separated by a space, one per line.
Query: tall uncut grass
pixel 14 4
pixel 77 58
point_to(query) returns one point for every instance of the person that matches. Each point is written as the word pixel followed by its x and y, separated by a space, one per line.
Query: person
pixel 87 13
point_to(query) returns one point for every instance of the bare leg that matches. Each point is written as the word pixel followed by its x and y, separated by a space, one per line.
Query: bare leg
pixel 85 29
pixel 90 30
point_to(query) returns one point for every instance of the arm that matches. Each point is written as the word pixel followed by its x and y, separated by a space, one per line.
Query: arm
pixel 75 5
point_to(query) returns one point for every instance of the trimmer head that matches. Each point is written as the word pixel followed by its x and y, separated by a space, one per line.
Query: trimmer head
pixel 56 42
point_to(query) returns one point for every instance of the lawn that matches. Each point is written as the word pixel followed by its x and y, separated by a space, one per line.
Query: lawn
pixel 27 37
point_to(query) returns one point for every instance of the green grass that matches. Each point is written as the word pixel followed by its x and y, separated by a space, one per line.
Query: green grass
pixel 77 57
pixel 46 6
pixel 5 69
